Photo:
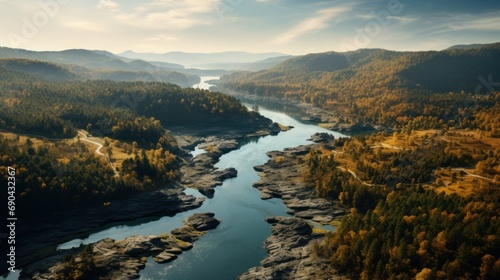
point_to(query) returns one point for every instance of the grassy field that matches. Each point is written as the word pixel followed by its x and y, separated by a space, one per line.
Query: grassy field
pixel 118 153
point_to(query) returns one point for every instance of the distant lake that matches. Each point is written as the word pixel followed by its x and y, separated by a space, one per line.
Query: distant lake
pixel 203 83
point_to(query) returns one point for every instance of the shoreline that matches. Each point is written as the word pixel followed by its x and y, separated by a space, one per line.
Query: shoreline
pixel 123 259
pixel 291 245
pixel 308 113
pixel 41 237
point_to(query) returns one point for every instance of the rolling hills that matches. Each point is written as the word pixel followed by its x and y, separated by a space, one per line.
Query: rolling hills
pixel 386 87
pixel 93 65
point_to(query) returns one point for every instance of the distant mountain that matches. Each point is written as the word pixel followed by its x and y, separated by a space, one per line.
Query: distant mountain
pixel 250 66
pixel 202 60
pixel 146 64
pixel 86 64
pixel 466 47
pixel 46 70
pixel 381 86
pixel 266 63
pixel 85 58
pixel 449 70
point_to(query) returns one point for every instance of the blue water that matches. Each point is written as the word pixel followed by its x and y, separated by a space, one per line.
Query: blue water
pixel 237 244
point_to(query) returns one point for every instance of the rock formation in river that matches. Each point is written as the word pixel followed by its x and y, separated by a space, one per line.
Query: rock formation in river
pixel 123 259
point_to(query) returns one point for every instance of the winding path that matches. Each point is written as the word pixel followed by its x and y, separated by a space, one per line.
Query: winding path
pixel 383 145
pixel 472 174
pixel 99 145
pixel 356 176
pixel 98 151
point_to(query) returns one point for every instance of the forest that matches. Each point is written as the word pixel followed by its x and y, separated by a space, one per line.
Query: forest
pixel 60 175
pixel 432 89
pixel 58 171
pixel 56 109
pixel 402 225
pixel 424 201
pixel 77 64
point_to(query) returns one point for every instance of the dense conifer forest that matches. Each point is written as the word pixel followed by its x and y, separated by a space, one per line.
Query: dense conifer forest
pixel 424 201
pixel 59 171
pixel 405 221
pixel 450 88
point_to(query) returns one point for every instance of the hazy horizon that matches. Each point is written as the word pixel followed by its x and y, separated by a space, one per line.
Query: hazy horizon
pixel 255 26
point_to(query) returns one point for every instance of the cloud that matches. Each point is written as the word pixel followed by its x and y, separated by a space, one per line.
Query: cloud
pixel 84 25
pixel 168 14
pixel 108 4
pixel 485 22
pixel 399 19
pixel 162 38
pixel 403 20
pixel 447 23
pixel 317 22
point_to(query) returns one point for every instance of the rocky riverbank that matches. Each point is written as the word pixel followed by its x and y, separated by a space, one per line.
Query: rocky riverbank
pixel 290 253
pixel 41 237
pixel 199 173
pixel 281 177
pixel 111 259
pixel 332 120
pixel 291 245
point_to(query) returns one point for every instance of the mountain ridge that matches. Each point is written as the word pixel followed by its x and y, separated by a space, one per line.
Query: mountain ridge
pixel 78 64
pixel 201 59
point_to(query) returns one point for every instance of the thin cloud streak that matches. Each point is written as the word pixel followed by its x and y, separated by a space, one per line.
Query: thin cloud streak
pixel 465 22
pixel 108 4
pixel 84 25
pixel 317 22
pixel 489 22
pixel 167 14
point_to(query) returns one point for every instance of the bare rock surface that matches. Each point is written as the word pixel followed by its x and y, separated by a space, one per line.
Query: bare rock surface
pixel 123 259
pixel 199 173
pixel 290 254
pixel 290 246
pixel 75 223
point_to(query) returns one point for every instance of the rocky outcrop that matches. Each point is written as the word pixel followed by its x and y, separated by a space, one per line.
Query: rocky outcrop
pixel 321 137
pixel 290 246
pixel 200 172
pixel 77 223
pixel 111 259
pixel 290 253
pixel 204 221
pixel 282 178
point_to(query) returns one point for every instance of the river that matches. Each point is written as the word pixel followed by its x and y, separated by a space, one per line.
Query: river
pixel 203 82
pixel 237 244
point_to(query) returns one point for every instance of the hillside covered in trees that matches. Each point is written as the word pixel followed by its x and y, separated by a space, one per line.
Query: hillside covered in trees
pixel 55 109
pixel 424 201
pixel 71 65
pixel 423 205
pixel 454 87
pixel 59 171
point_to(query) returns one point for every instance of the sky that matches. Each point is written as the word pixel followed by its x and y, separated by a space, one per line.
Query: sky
pixel 286 26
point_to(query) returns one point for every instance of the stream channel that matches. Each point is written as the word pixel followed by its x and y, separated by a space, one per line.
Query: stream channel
pixel 237 244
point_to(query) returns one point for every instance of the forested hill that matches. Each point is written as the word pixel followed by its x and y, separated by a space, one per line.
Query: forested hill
pixel 41 69
pixel 57 109
pixel 59 171
pixel 86 64
pixel 378 86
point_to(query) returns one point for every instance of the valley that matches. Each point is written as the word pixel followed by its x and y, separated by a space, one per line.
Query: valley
pixel 359 164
